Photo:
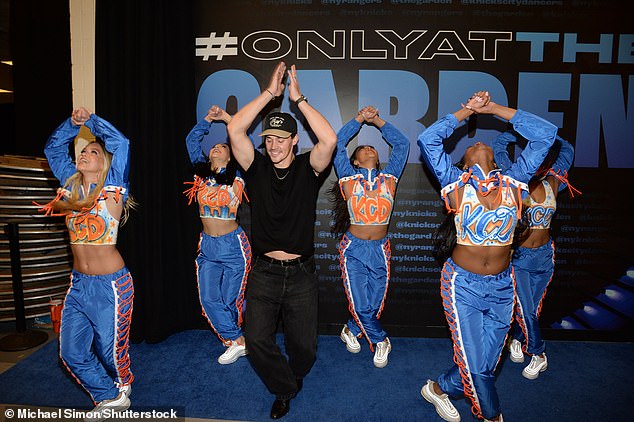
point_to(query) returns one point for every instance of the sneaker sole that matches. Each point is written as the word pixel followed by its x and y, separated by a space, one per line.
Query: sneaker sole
pixel 380 364
pixel 534 376
pixel 516 359
pixel 121 408
pixel 348 347
pixel 427 396
pixel 232 360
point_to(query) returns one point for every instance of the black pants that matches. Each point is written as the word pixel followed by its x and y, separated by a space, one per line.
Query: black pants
pixel 289 292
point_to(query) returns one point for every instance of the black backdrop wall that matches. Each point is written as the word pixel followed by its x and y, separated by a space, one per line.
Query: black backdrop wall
pixel 149 84
pixel 569 62
pixel 145 87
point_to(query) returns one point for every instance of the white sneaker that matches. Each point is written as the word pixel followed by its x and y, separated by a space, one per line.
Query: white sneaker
pixel 500 419
pixel 444 407
pixel 382 349
pixel 515 348
pixel 105 409
pixel 233 352
pixel 538 364
pixel 352 344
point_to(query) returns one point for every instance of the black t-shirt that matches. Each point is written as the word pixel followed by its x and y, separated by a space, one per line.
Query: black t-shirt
pixel 283 204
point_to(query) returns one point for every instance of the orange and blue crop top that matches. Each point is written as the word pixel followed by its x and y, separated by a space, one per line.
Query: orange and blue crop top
pixel 216 200
pixel 371 197
pixel 369 203
pixel 94 226
pixel 540 214
pixel 476 225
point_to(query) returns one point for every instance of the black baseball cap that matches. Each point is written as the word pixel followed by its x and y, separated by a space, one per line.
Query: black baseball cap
pixel 279 124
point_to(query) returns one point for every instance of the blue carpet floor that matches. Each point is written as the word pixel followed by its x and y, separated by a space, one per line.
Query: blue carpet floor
pixel 584 382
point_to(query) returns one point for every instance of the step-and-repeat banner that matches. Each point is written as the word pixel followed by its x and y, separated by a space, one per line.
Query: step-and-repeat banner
pixel 416 60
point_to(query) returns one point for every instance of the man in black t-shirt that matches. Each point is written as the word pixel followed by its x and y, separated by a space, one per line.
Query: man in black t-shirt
pixel 283 191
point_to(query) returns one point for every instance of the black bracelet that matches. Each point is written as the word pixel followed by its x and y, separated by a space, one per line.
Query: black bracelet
pixel 300 99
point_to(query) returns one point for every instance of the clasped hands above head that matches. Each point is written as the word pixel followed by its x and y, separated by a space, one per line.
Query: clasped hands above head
pixel 216 113
pixel 80 115
pixel 367 114
pixel 478 102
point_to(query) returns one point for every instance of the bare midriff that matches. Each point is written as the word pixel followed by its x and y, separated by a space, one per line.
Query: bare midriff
pixel 216 227
pixel 368 232
pixel 483 260
pixel 96 259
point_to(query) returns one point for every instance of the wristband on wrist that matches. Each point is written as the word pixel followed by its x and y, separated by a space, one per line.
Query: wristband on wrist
pixel 300 99
pixel 267 90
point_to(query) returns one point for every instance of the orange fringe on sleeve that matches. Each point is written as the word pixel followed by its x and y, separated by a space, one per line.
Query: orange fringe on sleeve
pixel 563 178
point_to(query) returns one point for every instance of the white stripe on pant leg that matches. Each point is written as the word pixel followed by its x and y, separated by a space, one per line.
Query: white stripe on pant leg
pixel 348 287
pixel 461 343
pixel 115 330
pixel 386 262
